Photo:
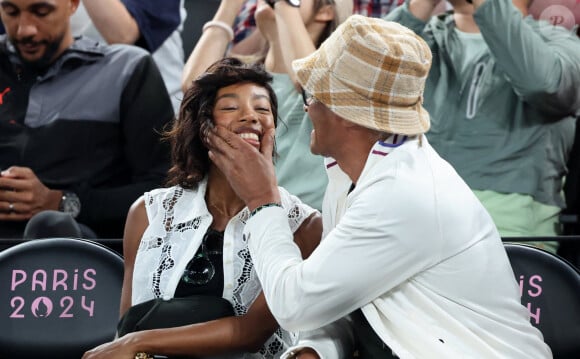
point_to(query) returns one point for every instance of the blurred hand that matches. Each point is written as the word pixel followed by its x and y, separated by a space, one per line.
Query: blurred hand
pixel 422 9
pixel 23 191
pixel 266 21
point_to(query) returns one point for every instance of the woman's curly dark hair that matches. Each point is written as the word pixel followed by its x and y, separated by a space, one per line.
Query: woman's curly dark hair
pixel 189 158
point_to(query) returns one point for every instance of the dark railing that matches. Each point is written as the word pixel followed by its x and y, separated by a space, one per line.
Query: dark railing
pixel 569 244
pixel 115 244
pixel 561 239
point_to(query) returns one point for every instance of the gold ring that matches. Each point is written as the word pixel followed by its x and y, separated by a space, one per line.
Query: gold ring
pixel 142 355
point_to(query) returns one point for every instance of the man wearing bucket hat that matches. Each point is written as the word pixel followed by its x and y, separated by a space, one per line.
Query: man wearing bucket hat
pixel 409 253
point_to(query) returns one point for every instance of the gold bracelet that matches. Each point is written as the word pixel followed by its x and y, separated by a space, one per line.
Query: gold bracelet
pixel 143 355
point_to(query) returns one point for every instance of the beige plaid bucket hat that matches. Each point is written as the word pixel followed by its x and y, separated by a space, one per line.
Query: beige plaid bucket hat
pixel 371 72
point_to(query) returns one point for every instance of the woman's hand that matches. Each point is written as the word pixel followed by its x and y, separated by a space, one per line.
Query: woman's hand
pixel 117 349
pixel 307 353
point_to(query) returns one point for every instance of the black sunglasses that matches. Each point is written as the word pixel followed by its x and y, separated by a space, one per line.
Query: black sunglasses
pixel 307 97
pixel 200 269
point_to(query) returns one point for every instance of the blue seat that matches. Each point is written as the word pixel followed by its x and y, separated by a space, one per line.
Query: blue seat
pixel 58 298
pixel 550 288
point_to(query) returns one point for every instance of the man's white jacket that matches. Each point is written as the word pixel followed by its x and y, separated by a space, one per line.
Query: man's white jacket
pixel 410 245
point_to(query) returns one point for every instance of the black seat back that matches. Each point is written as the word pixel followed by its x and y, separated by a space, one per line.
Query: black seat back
pixel 550 288
pixel 58 298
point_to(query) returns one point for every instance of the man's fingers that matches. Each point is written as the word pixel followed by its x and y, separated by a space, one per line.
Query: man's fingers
pixel 217 159
pixel 222 140
pixel 16 172
pixel 224 144
pixel 16 179
pixel 218 140
pixel 233 140
pixel 14 184
pixel 216 145
pixel 267 144
pixel 10 196
pixel 220 148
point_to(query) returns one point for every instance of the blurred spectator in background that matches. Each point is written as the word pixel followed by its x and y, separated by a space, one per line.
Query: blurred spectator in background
pixel 154 25
pixel 380 8
pixel 79 124
pixel 502 95
pixel 565 13
pixel 247 41
pixel 375 8
pixel 245 22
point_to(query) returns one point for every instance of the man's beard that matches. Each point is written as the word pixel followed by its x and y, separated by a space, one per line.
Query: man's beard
pixel 51 48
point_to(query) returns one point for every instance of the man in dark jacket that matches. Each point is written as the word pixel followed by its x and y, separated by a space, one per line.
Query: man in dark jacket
pixel 79 122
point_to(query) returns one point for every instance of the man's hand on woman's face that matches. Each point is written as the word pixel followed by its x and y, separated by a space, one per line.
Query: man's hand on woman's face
pixel 250 172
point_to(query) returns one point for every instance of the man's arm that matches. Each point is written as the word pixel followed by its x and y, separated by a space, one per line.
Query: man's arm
pixel 114 22
pixel 372 250
pixel 541 63
pixel 351 267
pixel 293 38
pixel 422 9
pixel 413 14
pixel 333 341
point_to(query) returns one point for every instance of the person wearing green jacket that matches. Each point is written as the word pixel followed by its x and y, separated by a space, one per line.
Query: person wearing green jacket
pixel 503 94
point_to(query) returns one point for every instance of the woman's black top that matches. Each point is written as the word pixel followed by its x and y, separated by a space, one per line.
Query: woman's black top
pixel 209 254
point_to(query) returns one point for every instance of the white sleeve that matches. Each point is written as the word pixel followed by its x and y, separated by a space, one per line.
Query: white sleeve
pixel 297 210
pixel 333 341
pixel 367 254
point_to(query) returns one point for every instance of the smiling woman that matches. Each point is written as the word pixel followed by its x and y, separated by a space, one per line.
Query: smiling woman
pixel 244 109
pixel 229 92
pixel 186 240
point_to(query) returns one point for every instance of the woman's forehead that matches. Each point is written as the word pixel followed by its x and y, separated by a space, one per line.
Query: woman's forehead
pixel 245 88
